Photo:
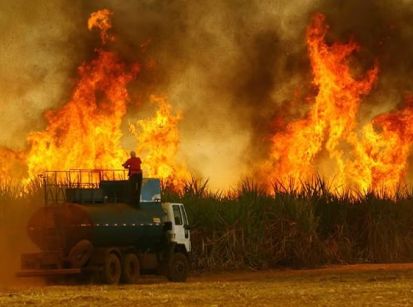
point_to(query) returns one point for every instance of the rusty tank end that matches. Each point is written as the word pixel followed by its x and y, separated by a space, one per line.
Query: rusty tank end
pixel 59 227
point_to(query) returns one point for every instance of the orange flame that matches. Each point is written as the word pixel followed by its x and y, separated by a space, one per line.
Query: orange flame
pixel 11 166
pixel 101 20
pixel 384 150
pixel 158 141
pixel 86 132
pixel 295 151
pixel 329 141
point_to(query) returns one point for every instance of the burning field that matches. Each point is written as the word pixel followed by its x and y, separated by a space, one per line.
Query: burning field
pixel 284 104
pixel 283 126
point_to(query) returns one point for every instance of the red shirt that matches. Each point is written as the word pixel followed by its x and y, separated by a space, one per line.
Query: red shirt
pixel 133 165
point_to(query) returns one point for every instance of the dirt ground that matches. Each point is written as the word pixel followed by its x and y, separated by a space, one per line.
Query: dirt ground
pixel 349 285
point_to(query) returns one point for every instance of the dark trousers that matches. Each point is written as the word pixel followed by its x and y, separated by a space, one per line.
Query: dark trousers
pixel 135 182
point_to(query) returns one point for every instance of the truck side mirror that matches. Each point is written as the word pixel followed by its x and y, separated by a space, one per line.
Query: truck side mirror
pixel 167 226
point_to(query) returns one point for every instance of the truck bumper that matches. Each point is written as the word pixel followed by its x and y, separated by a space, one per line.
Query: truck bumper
pixel 41 261
pixel 48 263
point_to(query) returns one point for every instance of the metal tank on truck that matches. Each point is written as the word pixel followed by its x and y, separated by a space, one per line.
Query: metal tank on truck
pixel 89 226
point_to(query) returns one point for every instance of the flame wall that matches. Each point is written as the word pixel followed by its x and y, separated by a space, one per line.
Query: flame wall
pixel 236 71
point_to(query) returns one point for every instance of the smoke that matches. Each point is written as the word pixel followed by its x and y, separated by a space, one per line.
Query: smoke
pixel 233 68
pixel 14 240
pixel 227 65
pixel 39 50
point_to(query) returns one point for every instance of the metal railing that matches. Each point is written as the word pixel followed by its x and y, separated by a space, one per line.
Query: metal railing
pixel 57 182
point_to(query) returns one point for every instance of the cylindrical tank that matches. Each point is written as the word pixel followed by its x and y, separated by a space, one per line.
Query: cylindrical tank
pixel 111 224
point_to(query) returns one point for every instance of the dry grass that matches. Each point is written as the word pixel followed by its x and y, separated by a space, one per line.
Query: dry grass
pixel 374 285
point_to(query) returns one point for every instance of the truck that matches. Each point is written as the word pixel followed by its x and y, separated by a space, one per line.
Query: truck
pixel 88 226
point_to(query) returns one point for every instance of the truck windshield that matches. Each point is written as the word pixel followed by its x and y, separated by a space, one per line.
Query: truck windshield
pixel 177 215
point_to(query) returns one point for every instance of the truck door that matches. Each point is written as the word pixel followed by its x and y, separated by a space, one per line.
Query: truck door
pixel 181 233
pixel 186 229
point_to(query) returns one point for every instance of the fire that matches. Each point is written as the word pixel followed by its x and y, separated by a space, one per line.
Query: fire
pixel 295 151
pixel 384 150
pixel 12 166
pixel 329 141
pixel 86 132
pixel 158 140
pixel 101 20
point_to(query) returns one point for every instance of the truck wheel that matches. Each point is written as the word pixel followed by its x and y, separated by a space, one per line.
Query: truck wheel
pixel 130 269
pixel 111 269
pixel 178 267
pixel 80 254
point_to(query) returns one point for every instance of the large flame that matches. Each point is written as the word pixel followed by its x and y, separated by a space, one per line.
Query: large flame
pixel 331 117
pixel 158 140
pixel 383 151
pixel 86 132
pixel 329 141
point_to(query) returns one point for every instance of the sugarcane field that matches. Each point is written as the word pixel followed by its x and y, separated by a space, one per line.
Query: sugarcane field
pixel 206 153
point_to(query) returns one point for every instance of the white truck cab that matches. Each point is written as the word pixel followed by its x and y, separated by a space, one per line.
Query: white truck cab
pixel 180 230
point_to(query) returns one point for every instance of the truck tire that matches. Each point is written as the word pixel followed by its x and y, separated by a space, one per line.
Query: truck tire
pixel 80 254
pixel 178 267
pixel 111 269
pixel 130 269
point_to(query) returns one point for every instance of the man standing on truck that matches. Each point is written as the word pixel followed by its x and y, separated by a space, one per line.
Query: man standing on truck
pixel 133 164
